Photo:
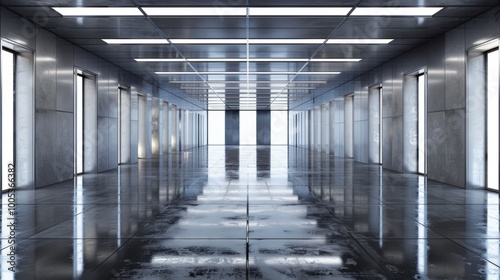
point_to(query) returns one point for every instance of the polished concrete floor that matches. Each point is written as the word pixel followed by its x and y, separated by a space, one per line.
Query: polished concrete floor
pixel 253 213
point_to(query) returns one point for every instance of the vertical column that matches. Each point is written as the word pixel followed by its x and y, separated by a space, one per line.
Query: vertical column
pixel 325 127
pixel 263 119
pixel 90 125
pixel 166 128
pixel 349 126
pixel 134 127
pixel 331 119
pixel 155 127
pixel 125 126
pixel 374 125
pixel 174 128
pixel 410 135
pixel 232 127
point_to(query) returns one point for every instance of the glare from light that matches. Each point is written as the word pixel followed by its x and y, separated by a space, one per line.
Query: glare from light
pixel 97 11
pixel 135 41
pixel 196 11
pixel 299 11
pixel 359 41
pixel 396 11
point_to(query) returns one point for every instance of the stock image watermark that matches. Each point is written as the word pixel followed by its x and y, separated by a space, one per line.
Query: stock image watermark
pixel 9 219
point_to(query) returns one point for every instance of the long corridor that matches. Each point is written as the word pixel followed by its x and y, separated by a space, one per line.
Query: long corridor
pixel 265 212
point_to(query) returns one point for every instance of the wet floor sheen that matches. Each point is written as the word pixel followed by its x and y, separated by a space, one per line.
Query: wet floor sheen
pixel 252 213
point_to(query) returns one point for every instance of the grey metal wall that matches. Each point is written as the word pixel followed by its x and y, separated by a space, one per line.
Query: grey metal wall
pixel 232 127
pixel 263 119
pixel 445 58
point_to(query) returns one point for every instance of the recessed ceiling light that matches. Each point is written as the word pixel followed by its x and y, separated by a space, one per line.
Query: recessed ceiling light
pixel 335 59
pixel 286 41
pixel 209 41
pixel 359 41
pixel 97 11
pixel 299 11
pixel 245 73
pixel 245 60
pixel 245 41
pixel 240 88
pixel 253 81
pixel 134 41
pixel 196 11
pixel 396 11
pixel 160 59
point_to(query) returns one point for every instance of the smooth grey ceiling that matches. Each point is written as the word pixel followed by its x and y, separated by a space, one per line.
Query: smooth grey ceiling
pixel 407 32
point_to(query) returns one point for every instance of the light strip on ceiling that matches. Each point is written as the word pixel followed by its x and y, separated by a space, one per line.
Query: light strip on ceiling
pixel 245 60
pixel 238 88
pixel 244 82
pixel 298 11
pixel 135 41
pixel 196 11
pixel 97 11
pixel 243 41
pixel 245 73
pixel 359 41
pixel 396 11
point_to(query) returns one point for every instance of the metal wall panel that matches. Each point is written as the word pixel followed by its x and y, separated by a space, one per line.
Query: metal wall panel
pixel 435 63
pixel 64 161
pixel 45 150
pixel 102 143
pixel 45 69
pixel 65 76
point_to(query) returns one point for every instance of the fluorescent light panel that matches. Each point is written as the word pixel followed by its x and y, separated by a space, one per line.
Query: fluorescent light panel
pixel 196 11
pixel 245 60
pixel 244 82
pixel 243 41
pixel 299 11
pixel 396 11
pixel 97 11
pixel 243 88
pixel 359 41
pixel 245 73
pixel 135 41
pixel 241 11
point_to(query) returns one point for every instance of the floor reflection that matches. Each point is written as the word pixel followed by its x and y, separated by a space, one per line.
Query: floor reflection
pixel 253 213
